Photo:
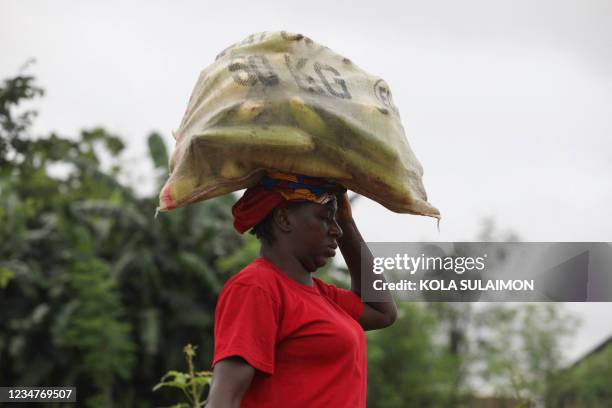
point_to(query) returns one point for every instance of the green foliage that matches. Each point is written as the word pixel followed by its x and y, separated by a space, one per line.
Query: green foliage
pixel 405 368
pixel 5 276
pixel 521 347
pixel 192 383
pixel 14 91
pixel 585 384
pixel 94 291
pixel 159 156
pixel 157 151
pixel 89 324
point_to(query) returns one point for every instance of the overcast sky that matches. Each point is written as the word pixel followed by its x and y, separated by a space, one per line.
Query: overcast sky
pixel 507 104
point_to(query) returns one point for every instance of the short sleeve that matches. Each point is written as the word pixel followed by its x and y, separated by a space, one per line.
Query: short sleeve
pixel 246 325
pixel 346 299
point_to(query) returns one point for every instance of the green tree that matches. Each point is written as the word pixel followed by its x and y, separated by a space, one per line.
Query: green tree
pixel 520 348
pixel 585 383
pixel 95 292
pixel 406 368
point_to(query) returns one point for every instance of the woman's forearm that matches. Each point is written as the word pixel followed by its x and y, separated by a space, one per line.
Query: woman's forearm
pixel 350 245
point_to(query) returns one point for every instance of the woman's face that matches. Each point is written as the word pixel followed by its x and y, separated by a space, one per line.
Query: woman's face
pixel 315 234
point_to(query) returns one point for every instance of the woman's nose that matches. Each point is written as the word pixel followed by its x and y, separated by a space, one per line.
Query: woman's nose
pixel 335 229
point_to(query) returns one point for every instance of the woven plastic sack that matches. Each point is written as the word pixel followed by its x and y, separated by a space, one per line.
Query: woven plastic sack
pixel 280 101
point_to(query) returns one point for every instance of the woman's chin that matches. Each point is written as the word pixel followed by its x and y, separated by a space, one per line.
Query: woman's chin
pixel 316 262
pixel 320 261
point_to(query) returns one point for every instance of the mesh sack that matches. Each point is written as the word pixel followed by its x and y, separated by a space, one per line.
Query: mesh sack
pixel 280 101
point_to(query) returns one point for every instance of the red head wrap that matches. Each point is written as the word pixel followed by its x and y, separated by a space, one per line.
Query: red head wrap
pixel 255 204
pixel 277 189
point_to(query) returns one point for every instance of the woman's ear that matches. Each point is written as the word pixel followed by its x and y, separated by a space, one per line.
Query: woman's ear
pixel 282 218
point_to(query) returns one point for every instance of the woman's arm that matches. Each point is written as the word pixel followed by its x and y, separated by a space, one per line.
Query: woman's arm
pixel 376 315
pixel 231 378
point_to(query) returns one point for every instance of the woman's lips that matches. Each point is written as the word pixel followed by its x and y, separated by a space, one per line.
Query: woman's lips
pixel 331 250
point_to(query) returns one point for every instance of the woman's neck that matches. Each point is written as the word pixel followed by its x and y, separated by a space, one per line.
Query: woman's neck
pixel 287 263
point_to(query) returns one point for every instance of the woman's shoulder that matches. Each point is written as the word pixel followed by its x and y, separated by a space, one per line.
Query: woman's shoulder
pixel 257 274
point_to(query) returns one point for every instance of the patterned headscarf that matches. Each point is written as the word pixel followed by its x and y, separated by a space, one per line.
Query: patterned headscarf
pixel 278 189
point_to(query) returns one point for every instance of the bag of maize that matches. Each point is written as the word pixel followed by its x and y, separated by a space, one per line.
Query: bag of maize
pixel 281 102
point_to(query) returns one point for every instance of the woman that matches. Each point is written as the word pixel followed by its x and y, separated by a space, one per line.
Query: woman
pixel 284 338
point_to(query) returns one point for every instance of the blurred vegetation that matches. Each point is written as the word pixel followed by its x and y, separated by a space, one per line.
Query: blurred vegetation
pixel 586 383
pixel 96 293
pixel 521 347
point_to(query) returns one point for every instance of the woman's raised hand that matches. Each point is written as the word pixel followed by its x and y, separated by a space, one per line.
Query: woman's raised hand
pixel 344 208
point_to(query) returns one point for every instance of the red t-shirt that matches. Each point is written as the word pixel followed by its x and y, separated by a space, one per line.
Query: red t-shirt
pixel 304 341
